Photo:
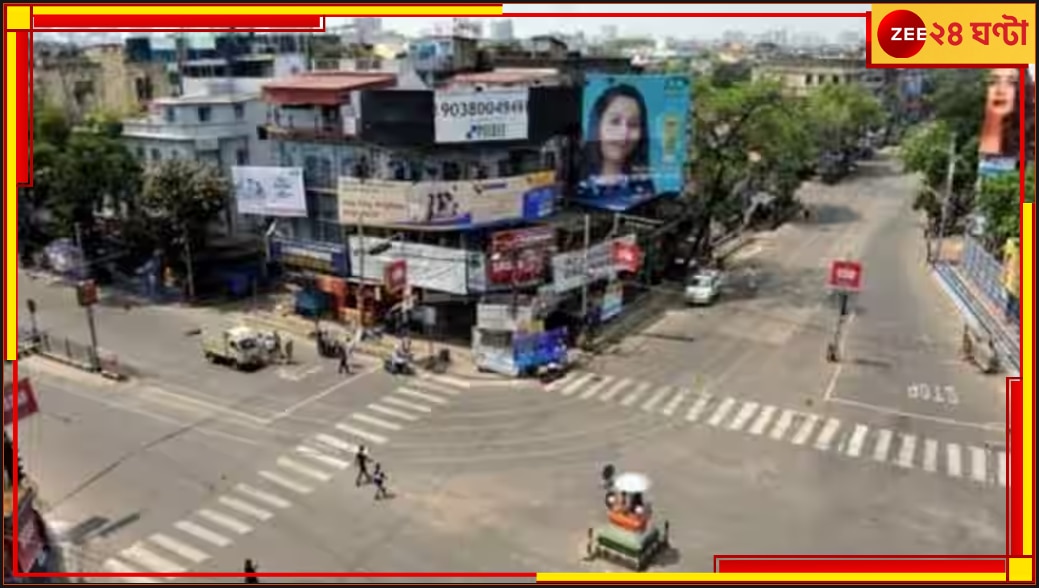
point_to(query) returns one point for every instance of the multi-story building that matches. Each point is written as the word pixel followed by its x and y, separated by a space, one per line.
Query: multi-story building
pixel 801 76
pixel 502 30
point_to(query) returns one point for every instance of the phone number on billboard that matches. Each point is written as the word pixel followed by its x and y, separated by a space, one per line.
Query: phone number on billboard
pixel 483 108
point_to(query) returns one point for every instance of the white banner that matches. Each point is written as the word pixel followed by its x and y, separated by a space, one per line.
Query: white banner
pixel 430 267
pixel 269 191
pixel 487 115
pixel 568 269
pixel 376 202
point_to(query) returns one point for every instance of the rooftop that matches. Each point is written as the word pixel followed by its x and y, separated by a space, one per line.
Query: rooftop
pixel 506 76
pixel 336 81
pixel 204 99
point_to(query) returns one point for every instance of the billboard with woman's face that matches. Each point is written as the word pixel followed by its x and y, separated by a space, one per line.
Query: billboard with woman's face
pixel 635 139
pixel 999 144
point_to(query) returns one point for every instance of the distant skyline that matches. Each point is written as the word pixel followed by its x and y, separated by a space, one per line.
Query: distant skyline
pixel 700 28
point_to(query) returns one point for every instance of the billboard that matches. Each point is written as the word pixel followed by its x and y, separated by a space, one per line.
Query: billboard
pixel 1000 140
pixel 486 115
pixel 456 204
pixel 269 191
pixel 519 256
pixel 636 130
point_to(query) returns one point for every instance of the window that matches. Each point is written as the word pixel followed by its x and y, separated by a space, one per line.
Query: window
pixel 242 156
pixel 836 79
pixel 140 153
pixel 204 113
pixel 239 111
pixel 156 154
pixel 171 114
pixel 808 79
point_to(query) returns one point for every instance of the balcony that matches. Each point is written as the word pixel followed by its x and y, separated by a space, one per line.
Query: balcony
pixel 325 129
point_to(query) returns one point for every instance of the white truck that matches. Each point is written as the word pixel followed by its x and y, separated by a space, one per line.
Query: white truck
pixel 238 347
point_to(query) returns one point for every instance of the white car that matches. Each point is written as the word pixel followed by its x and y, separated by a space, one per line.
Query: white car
pixel 703 287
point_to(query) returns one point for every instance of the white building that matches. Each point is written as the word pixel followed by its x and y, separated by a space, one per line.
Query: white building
pixel 367 29
pixel 219 128
pixel 501 29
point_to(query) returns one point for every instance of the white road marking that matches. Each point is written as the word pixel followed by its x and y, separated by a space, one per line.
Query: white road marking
pixel 299 468
pixel 615 390
pixel 762 421
pixel 200 532
pixel 328 460
pixel 267 497
pixel 654 400
pixel 406 404
pixel 673 404
pixel 805 430
pixel 420 395
pixel 908 449
pixel 858 439
pixel 557 384
pixel 594 388
pixel 1001 473
pixel 337 443
pixel 633 396
pixel 825 438
pixel 998 427
pixel 377 439
pixel 786 418
pixel 450 381
pixel 180 548
pixel 392 412
pixel 696 410
pixel 721 412
pixel 140 555
pixel 285 482
pixel 955 460
pixel 117 567
pixel 977 464
pixel 930 455
pixel 577 384
pixel 743 416
pixel 245 508
pixel 360 416
pixel 224 521
pixel 433 386
pixel 884 437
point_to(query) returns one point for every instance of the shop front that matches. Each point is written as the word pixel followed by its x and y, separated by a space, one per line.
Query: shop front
pixel 510 337
pixel 318 273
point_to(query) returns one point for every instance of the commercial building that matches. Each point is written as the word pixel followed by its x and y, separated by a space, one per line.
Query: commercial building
pixel 801 76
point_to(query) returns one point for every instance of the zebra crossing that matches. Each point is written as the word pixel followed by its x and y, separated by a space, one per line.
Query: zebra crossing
pixel 825 434
pixel 317 460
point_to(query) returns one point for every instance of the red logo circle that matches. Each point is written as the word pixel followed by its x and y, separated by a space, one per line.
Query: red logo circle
pixel 901 34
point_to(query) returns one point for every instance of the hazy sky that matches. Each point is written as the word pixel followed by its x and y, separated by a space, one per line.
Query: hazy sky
pixel 663 27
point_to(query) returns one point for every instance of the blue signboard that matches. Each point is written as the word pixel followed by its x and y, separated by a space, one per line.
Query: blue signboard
pixel 636 131
pixel 322 258
pixel 538 349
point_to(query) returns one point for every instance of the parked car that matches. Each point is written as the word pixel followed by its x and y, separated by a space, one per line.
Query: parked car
pixel 703 287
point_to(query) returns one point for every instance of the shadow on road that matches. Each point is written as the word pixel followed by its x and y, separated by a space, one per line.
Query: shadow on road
pixel 99 527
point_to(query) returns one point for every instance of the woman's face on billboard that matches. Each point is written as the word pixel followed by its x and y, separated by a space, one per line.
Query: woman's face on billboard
pixel 620 129
pixel 1001 91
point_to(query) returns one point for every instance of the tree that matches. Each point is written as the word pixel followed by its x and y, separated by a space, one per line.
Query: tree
pixel 999 203
pixel 957 96
pixel 926 151
pixel 181 198
pixel 841 114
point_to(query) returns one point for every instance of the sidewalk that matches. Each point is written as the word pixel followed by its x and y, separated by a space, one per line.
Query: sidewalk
pixel 980 310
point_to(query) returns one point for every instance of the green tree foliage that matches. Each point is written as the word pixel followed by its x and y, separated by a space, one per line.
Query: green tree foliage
pixel 840 114
pixel 957 96
pixel 999 202
pixel 180 199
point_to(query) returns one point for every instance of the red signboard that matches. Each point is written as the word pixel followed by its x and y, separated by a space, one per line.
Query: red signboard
pixel 846 275
pixel 627 257
pixel 30 541
pixel 395 275
pixel 518 257
pixel 26 401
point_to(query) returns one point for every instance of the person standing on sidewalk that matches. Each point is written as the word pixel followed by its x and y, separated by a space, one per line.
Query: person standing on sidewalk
pixel 344 360
pixel 361 460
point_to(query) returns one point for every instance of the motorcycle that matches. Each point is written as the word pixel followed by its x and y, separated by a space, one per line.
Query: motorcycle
pixel 551 372
pixel 398 366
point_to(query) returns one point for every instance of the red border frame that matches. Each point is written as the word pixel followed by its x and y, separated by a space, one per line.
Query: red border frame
pixel 1014 386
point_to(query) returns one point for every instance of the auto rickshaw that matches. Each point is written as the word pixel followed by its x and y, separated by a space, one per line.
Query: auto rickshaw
pixel 630 537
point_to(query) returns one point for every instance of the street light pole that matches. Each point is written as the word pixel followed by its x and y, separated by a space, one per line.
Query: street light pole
pixel 950 175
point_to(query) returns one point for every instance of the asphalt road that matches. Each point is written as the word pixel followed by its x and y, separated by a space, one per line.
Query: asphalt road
pixel 755 443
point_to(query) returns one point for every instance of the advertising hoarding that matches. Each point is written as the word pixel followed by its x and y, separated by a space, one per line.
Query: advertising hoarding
pixel 636 130
pixel 568 269
pixel 519 256
pixel 485 115
pixel 269 191
pixel 1000 139
pixel 322 258
pixel 461 204
pixel 440 269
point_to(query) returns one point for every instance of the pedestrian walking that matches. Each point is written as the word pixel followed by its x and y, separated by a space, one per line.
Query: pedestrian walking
pixel 379 479
pixel 344 360
pixel 288 351
pixel 361 460
pixel 250 568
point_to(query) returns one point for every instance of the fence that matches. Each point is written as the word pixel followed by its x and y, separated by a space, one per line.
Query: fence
pixel 985 273
pixel 68 351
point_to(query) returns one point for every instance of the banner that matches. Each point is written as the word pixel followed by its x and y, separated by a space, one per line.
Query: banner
pixel 636 132
pixel 519 256
pixel 269 191
pixel 612 301
pixel 27 405
pixel 485 115
pixel 463 204
pixel 568 269
pixel 440 269
pixel 395 276
pixel 322 258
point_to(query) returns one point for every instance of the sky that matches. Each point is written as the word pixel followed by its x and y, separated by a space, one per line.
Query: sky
pixel 700 28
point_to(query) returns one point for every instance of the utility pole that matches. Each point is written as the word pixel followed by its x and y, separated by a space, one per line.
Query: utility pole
pixel 190 264
pixel 950 175
pixel 584 266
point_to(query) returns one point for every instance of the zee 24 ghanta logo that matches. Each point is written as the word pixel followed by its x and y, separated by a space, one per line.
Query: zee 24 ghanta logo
pixel 902 33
